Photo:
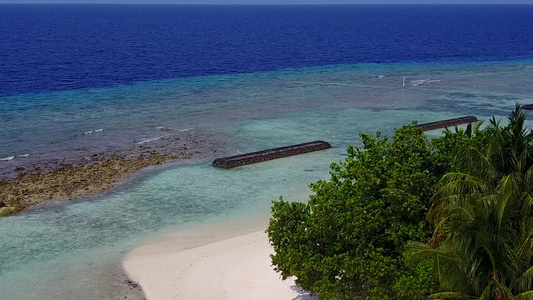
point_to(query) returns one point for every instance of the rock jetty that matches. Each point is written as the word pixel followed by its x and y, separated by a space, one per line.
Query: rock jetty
pixel 447 123
pixel 260 156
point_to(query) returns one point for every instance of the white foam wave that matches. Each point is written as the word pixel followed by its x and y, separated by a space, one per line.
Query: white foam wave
pixel 187 129
pixel 94 131
pixel 7 158
pixel 148 140
pixel 24 155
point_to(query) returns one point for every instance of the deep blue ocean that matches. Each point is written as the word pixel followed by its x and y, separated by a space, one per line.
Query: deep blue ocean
pixel 60 47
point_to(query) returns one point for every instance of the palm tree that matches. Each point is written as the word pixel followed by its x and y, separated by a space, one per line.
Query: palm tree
pixel 482 246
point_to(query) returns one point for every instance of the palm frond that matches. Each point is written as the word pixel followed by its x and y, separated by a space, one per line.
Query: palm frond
pixel 524 296
pixel 482 243
pixel 524 282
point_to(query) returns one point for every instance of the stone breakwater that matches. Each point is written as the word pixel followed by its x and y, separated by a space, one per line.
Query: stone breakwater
pixel 447 123
pixel 260 156
pixel 54 179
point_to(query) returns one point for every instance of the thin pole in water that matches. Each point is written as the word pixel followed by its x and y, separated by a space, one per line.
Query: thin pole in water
pixel 403 83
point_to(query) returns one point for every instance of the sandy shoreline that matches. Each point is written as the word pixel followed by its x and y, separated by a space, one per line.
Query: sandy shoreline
pixel 188 265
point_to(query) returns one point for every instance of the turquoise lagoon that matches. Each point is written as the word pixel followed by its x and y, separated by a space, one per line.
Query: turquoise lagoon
pixel 73 250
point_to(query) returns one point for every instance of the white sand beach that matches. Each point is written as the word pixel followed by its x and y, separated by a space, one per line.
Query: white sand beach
pixel 234 268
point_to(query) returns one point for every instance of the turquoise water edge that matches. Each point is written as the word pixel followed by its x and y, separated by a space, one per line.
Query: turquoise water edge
pixel 73 250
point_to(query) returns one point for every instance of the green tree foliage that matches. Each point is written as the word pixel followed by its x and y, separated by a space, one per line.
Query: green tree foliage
pixel 482 246
pixel 347 241
pixel 451 142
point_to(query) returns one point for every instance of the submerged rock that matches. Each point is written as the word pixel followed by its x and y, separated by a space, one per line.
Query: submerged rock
pixel 70 175
pixel 69 182
pixel 8 210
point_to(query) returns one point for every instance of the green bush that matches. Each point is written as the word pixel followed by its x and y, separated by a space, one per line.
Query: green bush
pixel 347 241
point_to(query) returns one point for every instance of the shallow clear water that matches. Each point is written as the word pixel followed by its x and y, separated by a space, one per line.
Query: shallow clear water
pixel 71 250
pixel 54 123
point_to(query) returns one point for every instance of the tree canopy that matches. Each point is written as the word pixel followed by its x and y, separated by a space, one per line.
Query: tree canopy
pixel 366 233
pixel 347 241
pixel 483 238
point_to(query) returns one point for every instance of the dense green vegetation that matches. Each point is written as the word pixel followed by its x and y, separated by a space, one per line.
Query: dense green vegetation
pixel 408 218
pixel 482 243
